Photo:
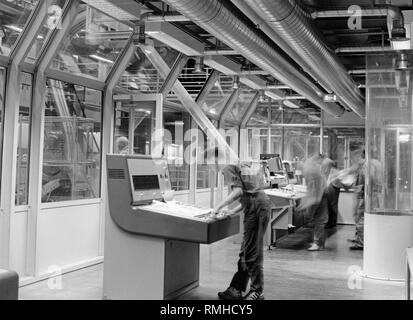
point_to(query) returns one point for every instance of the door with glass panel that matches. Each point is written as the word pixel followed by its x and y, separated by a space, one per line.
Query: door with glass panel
pixel 138 124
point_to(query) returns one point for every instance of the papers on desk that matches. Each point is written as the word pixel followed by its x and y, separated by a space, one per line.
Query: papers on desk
pixel 177 209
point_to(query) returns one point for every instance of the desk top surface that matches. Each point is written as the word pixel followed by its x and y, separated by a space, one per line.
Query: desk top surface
pixel 286 194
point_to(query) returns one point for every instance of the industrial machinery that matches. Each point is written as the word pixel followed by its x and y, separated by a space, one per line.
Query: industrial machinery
pixel 152 243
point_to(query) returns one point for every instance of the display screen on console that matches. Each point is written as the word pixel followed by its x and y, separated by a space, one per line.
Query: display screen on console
pixel 145 182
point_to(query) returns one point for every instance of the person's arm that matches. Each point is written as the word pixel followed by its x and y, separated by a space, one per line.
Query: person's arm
pixel 235 194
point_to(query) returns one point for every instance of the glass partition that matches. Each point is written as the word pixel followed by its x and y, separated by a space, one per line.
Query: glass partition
pixel 260 117
pixel 244 99
pixel 301 143
pixel 141 76
pixel 52 22
pixel 389 136
pixel 218 96
pixel 177 141
pixel 93 46
pixel 134 127
pixel 300 116
pixel 14 16
pixel 23 132
pixel 72 142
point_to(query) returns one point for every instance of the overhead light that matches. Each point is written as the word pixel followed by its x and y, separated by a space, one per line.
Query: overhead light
pixel 102 59
pixel 212 111
pixel 402 62
pixel 291 104
pixel 331 97
pixel 199 65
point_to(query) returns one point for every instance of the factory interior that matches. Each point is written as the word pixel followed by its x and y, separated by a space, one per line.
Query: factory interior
pixel 110 114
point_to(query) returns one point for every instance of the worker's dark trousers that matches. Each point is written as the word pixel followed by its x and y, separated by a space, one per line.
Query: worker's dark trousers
pixel 333 195
pixel 251 258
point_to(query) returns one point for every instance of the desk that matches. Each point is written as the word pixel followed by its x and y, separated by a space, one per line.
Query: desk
pixel 283 204
pixel 409 267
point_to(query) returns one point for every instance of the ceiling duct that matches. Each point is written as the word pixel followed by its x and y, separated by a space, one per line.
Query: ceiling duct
pixel 218 19
pixel 122 10
pixel 294 25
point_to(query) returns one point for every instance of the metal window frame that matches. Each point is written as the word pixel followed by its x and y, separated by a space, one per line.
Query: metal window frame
pixel 10 135
pixel 36 139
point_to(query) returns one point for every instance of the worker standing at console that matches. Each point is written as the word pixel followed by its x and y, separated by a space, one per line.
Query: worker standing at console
pixel 246 183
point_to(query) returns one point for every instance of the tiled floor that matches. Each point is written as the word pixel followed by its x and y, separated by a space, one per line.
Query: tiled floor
pixel 290 273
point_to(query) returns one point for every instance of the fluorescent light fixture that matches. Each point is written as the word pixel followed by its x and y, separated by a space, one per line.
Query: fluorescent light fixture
pixel 275 94
pixel 291 104
pixel 174 37
pixel 99 58
pixel 212 111
pixel 123 10
pixel 223 65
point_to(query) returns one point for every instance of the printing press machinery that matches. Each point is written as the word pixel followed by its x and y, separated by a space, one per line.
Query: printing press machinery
pixel 152 243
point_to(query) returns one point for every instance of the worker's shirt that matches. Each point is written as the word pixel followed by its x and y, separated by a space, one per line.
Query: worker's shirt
pixel 247 176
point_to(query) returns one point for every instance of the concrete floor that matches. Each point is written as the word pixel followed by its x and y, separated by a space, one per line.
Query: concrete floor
pixel 291 272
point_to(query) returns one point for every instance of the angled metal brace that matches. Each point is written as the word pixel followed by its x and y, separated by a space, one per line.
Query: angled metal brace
pixel 206 89
pixel 173 75
pixel 232 99
pixel 189 103
pixel 250 110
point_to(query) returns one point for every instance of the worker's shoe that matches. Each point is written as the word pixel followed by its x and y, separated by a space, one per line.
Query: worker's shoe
pixel 316 247
pixel 254 295
pixel 230 294
pixel 357 247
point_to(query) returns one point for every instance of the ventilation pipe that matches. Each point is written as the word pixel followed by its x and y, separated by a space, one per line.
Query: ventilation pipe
pixel 294 25
pixel 219 20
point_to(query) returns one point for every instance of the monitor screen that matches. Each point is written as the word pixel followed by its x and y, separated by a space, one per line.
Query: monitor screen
pixel 146 182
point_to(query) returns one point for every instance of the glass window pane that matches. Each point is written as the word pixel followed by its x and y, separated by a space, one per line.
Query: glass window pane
pixel 52 22
pixel 141 76
pixel 72 142
pixel 134 127
pixel 244 99
pixel 257 143
pixel 260 117
pixel 218 96
pixel 95 42
pixel 23 147
pixel 14 15
pixel 301 143
pixel 300 116
pixel 177 126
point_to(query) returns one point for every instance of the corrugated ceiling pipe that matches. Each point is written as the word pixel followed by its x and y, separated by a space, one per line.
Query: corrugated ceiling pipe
pixel 294 25
pixel 262 25
pixel 215 17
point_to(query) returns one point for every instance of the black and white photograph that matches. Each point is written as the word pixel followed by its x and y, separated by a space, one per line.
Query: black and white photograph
pixel 206 157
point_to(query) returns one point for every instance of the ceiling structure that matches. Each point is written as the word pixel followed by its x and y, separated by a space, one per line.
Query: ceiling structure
pixel 347 47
